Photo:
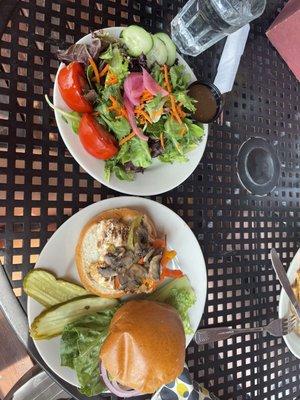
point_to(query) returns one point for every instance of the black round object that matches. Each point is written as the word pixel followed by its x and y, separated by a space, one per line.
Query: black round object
pixel 258 166
pixel 216 96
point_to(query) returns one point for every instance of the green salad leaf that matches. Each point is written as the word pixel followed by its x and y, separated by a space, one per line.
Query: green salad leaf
pixel 72 118
pixel 177 145
pixel 157 74
pixel 155 107
pixel 139 153
pixel 119 126
pixel 179 78
pixel 172 133
pixel 180 295
pixel 134 150
pixel 156 128
pixel 107 54
pixel 119 64
pixel 112 166
pixel 187 101
pixel 80 346
pixel 89 75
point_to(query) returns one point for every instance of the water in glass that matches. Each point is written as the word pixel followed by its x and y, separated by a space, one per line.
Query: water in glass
pixel 201 23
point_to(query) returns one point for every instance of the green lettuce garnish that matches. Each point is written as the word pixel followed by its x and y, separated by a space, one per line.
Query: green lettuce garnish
pixel 134 150
pixel 179 78
pixel 187 101
pixel 72 118
pixel 157 74
pixel 180 295
pixel 118 64
pixel 178 144
pixel 80 346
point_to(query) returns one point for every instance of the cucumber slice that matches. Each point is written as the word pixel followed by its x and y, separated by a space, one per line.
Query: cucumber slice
pixel 171 48
pixel 163 292
pixel 158 53
pixel 51 322
pixel 47 290
pixel 137 40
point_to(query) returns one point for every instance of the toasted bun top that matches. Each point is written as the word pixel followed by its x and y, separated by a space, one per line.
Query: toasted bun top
pixel 87 251
pixel 145 347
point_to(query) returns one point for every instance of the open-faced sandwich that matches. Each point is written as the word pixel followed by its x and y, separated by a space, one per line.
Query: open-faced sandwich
pixel 118 253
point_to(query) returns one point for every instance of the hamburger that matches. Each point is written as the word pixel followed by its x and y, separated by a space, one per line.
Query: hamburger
pixel 116 254
pixel 144 349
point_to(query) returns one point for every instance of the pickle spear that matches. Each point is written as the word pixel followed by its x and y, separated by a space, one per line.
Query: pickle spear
pixel 51 322
pixel 43 287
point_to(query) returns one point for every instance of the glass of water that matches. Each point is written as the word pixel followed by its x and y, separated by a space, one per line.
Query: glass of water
pixel 202 23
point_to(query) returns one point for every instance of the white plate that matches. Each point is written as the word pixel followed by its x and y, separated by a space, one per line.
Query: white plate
pixel 292 340
pixel 58 256
pixel 159 178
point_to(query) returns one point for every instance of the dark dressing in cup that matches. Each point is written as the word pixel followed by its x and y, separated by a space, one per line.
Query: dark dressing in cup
pixel 209 101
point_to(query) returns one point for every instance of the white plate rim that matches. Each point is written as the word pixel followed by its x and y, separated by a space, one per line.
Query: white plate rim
pixel 195 156
pixel 292 340
pixel 33 308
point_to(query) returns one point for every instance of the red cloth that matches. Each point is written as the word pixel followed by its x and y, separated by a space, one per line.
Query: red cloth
pixel 284 34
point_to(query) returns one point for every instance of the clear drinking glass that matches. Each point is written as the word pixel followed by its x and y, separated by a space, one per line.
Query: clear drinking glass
pixel 202 23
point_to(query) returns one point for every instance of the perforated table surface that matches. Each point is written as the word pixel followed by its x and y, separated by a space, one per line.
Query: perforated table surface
pixel 41 185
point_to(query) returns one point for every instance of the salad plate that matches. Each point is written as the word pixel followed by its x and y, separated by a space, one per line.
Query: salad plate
pixel 158 178
pixel 58 257
pixel 292 340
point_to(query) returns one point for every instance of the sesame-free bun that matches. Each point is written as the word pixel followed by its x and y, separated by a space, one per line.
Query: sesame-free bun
pixel 88 240
pixel 145 346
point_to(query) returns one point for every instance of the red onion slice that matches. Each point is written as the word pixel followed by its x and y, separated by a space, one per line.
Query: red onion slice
pixel 151 85
pixel 131 119
pixel 133 87
pixel 114 387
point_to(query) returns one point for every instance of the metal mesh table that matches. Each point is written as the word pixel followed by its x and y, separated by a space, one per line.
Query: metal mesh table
pixel 41 185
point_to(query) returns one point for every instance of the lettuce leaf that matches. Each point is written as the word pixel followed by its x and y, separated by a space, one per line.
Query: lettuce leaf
pixel 157 74
pixel 112 166
pixel 187 101
pixel 72 118
pixel 179 78
pixel 156 128
pixel 180 295
pixel 155 107
pixel 79 349
pixel 118 64
pixel 139 153
pixel 119 126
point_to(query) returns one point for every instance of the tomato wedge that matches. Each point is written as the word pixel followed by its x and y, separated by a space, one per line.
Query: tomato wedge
pixel 72 84
pixel 95 138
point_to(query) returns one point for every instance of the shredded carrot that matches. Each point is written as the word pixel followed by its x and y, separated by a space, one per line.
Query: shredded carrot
pixel 181 113
pixel 126 138
pixel 95 69
pixel 141 261
pixel 166 76
pixel 174 109
pixel 142 113
pixel 96 113
pixel 182 131
pixel 146 95
pixel 103 71
pixel 162 142
pixel 117 108
pixel 111 79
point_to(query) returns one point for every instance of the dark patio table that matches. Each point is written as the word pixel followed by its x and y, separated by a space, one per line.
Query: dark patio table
pixel 41 185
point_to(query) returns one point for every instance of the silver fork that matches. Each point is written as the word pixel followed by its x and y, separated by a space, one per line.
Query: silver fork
pixel 277 327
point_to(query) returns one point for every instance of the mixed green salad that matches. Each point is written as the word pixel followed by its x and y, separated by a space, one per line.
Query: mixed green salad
pixel 83 320
pixel 129 100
